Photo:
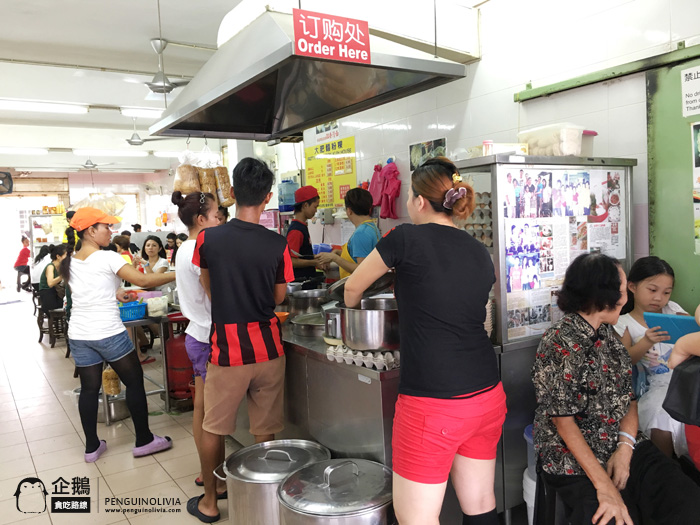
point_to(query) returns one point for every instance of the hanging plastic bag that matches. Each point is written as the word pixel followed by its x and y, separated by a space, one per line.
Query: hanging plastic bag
pixel 223 186
pixel 186 176
pixel 111 385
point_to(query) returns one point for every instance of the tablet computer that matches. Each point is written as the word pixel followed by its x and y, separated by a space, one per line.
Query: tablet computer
pixel 676 325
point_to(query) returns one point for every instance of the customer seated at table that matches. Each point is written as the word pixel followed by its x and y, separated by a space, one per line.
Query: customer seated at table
pixel 40 261
pixel 22 266
pixel 586 433
pixel 96 332
pixel 50 279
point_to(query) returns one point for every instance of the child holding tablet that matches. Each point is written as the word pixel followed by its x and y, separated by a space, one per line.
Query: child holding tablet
pixel 650 283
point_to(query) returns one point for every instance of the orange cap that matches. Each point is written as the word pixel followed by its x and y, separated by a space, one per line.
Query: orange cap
pixel 86 217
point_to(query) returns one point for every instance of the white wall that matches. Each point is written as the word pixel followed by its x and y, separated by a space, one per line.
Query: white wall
pixel 539 41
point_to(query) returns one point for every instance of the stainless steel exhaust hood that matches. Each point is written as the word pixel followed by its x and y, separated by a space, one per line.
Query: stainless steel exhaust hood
pixel 255 87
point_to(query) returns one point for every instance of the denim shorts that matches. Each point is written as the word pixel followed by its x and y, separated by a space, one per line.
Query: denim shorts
pixel 89 353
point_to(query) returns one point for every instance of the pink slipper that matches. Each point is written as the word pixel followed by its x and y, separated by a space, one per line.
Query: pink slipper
pixel 159 444
pixel 94 456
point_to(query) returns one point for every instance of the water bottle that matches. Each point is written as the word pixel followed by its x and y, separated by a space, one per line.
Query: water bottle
pixel 285 192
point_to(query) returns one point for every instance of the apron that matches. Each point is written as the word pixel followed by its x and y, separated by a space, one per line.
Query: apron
pixel 345 254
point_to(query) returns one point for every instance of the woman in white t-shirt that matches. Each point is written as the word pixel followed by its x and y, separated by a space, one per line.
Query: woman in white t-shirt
pixel 153 258
pixel 96 332
pixel 41 261
pixel 650 283
pixel 196 211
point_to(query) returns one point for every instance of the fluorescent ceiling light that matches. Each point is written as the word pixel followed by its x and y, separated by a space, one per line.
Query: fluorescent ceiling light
pixel 109 153
pixel 23 151
pixel 42 107
pixel 167 154
pixel 141 112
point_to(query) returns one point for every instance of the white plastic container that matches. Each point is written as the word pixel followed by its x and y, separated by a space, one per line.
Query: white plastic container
pixel 561 139
pixel 529 489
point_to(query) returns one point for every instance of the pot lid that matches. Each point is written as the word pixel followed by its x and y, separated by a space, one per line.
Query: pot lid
pixel 313 319
pixel 337 487
pixel 272 461
pixel 337 289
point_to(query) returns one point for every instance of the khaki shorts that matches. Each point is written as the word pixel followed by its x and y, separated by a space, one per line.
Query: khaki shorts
pixel 225 388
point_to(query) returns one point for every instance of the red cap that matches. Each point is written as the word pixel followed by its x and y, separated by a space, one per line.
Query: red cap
pixel 86 217
pixel 305 193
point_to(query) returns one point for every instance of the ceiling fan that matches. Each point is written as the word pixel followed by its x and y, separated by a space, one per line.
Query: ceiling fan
pixel 89 165
pixel 161 83
pixel 136 140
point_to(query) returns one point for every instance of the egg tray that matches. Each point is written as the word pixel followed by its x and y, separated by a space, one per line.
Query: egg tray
pixel 377 360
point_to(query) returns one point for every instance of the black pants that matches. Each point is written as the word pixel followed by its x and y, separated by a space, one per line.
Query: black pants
pixel 657 492
pixel 22 270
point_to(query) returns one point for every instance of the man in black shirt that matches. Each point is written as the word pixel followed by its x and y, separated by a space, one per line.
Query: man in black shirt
pixel 245 271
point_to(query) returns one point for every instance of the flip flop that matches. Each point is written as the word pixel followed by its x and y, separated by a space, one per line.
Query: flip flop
pixel 159 444
pixel 193 509
pixel 148 360
pixel 198 481
pixel 222 495
pixel 94 456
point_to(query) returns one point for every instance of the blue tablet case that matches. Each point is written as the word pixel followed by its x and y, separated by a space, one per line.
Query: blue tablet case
pixel 676 325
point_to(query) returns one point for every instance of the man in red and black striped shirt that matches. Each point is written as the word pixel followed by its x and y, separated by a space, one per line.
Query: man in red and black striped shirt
pixel 245 271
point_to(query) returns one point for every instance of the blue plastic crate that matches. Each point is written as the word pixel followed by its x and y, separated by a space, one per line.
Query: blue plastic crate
pixel 132 311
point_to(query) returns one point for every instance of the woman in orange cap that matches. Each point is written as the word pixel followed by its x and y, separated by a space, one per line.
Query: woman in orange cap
pixel 96 332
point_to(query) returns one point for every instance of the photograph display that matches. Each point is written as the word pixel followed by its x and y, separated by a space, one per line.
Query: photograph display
pixel 551 216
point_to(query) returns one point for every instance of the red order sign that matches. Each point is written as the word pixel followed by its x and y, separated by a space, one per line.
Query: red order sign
pixel 331 37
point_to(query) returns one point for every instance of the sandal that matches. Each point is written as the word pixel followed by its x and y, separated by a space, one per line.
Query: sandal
pixel 193 509
pixel 222 495
pixel 94 456
pixel 159 444
pixel 148 360
pixel 198 481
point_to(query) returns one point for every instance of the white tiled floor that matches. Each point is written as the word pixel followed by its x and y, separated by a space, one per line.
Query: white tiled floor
pixel 41 435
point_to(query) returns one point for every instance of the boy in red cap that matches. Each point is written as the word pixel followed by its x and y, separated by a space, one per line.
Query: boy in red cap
pixel 306 201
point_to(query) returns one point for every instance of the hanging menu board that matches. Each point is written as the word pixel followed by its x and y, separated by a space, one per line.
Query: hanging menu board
pixel 331 169
pixel 551 216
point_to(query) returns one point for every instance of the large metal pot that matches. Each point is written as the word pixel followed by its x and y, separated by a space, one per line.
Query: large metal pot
pixel 309 325
pixel 254 473
pixel 373 326
pixel 307 302
pixel 116 406
pixel 337 492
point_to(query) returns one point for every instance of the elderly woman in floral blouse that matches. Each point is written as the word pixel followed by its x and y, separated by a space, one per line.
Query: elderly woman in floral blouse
pixel 586 426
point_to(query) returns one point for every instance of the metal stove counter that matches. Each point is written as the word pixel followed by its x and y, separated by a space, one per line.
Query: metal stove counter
pixel 347 408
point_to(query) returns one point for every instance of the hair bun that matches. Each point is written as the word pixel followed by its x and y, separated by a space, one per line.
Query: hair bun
pixel 177 198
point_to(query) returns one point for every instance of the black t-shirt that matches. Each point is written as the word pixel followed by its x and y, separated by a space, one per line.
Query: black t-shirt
pixel 245 261
pixel 443 280
pixel 300 241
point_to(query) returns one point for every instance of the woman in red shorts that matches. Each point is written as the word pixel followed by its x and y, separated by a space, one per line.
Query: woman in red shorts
pixel 451 404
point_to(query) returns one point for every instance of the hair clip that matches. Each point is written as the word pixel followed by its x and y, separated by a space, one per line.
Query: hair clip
pixel 453 195
pixel 202 198
pixel 456 178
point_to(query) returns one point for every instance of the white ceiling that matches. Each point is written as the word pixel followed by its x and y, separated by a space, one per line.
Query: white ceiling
pixel 103 55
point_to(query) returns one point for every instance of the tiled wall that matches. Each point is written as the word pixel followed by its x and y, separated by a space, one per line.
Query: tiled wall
pixel 540 41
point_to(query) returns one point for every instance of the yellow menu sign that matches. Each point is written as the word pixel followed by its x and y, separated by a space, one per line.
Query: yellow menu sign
pixel 331 169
